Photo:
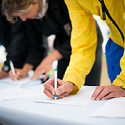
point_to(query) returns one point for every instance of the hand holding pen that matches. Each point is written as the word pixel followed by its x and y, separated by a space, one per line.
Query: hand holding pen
pixel 63 88
pixel 20 74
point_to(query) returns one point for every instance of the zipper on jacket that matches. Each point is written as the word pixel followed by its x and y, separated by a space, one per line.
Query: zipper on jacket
pixel 104 10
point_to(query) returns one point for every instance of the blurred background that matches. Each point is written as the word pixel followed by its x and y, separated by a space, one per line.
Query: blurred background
pixel 105 31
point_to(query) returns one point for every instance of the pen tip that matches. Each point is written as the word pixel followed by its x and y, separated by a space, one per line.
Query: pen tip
pixel 55 96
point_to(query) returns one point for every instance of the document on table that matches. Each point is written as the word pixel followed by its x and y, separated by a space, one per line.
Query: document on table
pixel 14 93
pixel 83 97
pixel 112 108
pixel 19 82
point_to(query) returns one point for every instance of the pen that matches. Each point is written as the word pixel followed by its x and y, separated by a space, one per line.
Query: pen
pixel 12 68
pixel 55 82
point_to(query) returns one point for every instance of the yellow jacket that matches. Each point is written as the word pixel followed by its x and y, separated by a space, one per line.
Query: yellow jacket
pixel 84 37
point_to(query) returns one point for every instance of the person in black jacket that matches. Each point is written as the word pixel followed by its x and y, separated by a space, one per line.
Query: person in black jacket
pixel 24 46
pixel 51 21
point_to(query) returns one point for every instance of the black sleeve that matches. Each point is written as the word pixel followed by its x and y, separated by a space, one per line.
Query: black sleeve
pixel 37 43
pixel 63 11
pixel 62 41
pixel 26 45
pixel 62 44
pixel 5 29
pixel 17 45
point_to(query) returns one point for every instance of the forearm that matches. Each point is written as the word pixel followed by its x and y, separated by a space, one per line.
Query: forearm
pixel 55 55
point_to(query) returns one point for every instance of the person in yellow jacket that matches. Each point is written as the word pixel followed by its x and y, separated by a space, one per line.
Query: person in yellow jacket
pixel 84 41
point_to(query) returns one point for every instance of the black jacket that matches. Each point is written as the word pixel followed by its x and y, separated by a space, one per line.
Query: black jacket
pixel 23 42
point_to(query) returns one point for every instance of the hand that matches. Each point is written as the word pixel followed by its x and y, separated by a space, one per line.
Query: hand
pixel 107 92
pixel 3 74
pixel 20 73
pixel 44 67
pixel 67 29
pixel 63 88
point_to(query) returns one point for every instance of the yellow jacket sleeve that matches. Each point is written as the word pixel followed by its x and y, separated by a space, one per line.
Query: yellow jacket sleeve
pixel 83 43
pixel 120 79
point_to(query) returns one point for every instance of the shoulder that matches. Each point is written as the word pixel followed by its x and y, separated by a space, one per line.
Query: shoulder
pixel 73 4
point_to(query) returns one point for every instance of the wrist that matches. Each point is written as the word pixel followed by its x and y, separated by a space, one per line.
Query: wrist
pixel 56 55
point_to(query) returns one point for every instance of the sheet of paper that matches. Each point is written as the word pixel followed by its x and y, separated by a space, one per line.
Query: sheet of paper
pixel 112 108
pixel 14 93
pixel 19 82
pixel 83 97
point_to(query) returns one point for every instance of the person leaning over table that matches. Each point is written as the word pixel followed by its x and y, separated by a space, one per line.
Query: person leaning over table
pixel 84 32
pixel 43 21
pixel 20 41
pixel 93 78
pixel 49 22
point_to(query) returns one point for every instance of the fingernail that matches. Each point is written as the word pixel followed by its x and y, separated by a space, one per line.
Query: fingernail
pixel 57 93
pixel 65 94
pixel 93 98
pixel 103 98
pixel 97 98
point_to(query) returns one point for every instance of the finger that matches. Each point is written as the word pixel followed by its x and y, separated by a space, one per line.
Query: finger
pixel 33 77
pixel 49 85
pixel 39 73
pixel 22 76
pixel 97 91
pixel 11 76
pixel 109 96
pixel 35 74
pixel 49 81
pixel 38 76
pixel 45 78
pixel 106 91
pixel 48 93
pixel 59 82
pixel 19 76
pixel 62 95
pixel 9 73
pixel 64 87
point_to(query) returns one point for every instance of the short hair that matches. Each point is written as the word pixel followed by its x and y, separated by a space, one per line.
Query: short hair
pixel 12 6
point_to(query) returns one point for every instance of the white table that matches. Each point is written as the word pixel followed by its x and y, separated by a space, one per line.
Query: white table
pixel 25 111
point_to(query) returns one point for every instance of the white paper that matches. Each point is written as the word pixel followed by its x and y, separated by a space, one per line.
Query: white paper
pixel 112 108
pixel 19 82
pixel 14 93
pixel 83 97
